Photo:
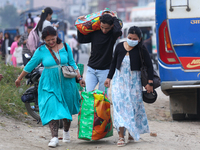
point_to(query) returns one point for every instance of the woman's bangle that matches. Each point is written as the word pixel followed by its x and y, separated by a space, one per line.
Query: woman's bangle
pixel 19 79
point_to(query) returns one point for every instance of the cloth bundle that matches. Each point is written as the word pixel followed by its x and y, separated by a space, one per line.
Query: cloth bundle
pixel 92 22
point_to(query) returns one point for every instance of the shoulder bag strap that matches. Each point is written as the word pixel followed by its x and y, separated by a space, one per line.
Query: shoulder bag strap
pixel 54 56
pixel 65 46
pixel 66 50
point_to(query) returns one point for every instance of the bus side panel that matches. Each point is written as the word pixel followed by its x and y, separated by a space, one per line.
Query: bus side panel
pixel 161 15
pixel 175 73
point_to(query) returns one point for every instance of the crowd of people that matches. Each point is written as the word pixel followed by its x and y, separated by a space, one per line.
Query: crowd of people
pixel 58 96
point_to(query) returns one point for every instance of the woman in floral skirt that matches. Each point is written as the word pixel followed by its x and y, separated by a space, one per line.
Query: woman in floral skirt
pixel 129 111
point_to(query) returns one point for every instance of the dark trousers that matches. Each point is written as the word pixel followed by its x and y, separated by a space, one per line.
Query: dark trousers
pixel 54 125
pixel 25 60
pixel 76 54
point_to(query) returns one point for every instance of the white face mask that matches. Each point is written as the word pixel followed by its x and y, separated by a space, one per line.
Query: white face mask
pixel 132 43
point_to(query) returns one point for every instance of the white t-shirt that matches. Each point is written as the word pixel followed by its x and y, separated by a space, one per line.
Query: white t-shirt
pixel 36 19
pixel 73 44
pixel 18 54
pixel 45 24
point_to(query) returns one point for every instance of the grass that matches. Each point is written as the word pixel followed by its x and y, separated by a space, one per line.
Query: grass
pixel 10 95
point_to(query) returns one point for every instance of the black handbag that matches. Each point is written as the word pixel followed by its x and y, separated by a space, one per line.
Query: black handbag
pixel 144 74
pixel 149 97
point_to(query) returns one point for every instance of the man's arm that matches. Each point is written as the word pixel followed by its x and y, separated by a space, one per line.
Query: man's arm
pixel 84 38
pixel 116 28
pixel 21 40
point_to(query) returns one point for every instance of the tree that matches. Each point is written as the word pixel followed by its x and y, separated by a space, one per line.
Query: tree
pixel 9 17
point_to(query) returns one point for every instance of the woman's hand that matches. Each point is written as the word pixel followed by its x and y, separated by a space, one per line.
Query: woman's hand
pixel 81 17
pixel 17 82
pixel 149 88
pixel 56 25
pixel 82 83
pixel 107 83
pixel 24 41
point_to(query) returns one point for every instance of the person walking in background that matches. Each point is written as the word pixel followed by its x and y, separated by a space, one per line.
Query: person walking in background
pixel 29 22
pixel 36 19
pixel 1 41
pixel 12 50
pixel 45 19
pixel 148 41
pixel 128 107
pixel 22 41
pixel 6 48
pixel 102 42
pixel 58 96
pixel 73 43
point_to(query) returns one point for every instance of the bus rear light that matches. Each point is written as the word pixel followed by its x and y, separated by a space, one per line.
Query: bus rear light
pixel 166 51
pixel 168 47
pixel 171 60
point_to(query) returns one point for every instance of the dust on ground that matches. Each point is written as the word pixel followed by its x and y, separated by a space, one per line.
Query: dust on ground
pixel 171 135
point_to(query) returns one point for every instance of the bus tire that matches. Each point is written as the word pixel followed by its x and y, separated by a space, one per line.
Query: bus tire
pixel 178 117
pixel 182 103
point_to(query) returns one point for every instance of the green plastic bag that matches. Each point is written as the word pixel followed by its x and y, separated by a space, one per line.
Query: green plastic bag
pixel 94 118
pixel 81 69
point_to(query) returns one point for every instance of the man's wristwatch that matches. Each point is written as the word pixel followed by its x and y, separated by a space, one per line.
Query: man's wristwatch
pixel 151 84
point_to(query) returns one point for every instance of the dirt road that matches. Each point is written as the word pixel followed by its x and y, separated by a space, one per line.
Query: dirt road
pixel 171 135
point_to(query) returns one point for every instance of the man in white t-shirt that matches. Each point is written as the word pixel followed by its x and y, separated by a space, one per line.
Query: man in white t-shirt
pixel 37 19
pixel 73 43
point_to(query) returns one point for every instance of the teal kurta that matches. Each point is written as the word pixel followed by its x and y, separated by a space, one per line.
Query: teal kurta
pixel 58 97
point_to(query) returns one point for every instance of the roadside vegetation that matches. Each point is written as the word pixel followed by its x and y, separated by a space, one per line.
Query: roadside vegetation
pixel 10 95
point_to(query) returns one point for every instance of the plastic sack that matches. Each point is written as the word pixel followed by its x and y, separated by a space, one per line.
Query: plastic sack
pixel 91 22
pixel 94 118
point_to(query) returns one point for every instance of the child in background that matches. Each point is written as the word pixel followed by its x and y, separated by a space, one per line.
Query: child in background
pixel 12 50
pixel 18 55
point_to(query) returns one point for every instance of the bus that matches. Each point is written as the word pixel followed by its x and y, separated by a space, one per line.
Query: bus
pixel 178 45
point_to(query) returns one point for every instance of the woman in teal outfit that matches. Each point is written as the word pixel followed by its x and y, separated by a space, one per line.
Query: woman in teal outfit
pixel 58 97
